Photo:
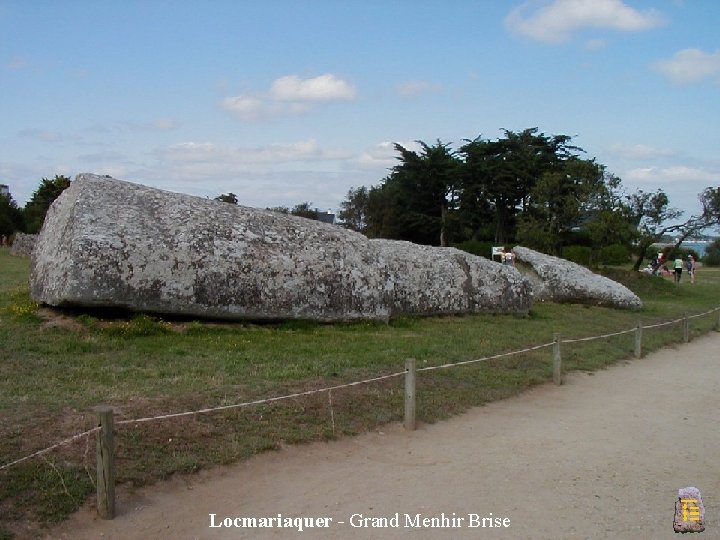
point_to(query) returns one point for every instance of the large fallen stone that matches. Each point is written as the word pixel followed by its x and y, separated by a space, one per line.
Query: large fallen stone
pixel 108 243
pixel 559 280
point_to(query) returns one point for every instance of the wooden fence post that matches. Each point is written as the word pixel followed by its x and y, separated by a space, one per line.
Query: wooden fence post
pixel 410 394
pixel 638 340
pixel 105 463
pixel 686 328
pixel 557 360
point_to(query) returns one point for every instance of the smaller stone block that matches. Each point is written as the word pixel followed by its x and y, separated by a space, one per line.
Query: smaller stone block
pixel 558 280
pixel 23 244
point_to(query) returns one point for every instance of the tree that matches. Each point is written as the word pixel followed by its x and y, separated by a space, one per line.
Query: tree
pixel 416 200
pixel 712 254
pixel 354 209
pixel 11 218
pixel 384 211
pixel 38 205
pixel 709 217
pixel 227 198
pixel 303 209
pixel 504 172
pixel 710 201
pixel 650 213
pixel 611 222
pixel 561 200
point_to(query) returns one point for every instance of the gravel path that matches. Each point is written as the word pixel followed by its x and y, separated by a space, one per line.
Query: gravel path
pixel 599 457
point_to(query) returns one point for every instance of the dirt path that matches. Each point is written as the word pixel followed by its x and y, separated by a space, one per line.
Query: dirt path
pixel 600 457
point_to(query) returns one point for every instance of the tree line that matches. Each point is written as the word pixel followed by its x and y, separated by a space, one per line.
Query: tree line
pixel 525 187
pixel 30 218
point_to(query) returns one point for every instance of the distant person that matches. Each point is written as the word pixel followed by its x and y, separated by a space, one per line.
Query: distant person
pixel 657 264
pixel 691 267
pixel 509 257
pixel 678 269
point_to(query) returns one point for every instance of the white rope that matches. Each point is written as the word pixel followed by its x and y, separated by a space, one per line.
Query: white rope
pixel 260 401
pixel 50 448
pixel 493 357
pixel 663 324
pixel 597 337
pixel 703 314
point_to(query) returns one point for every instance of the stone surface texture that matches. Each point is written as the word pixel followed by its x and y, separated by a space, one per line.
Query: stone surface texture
pixel 23 244
pixel 109 243
pixel 559 280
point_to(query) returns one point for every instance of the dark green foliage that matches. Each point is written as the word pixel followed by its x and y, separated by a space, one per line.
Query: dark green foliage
pixel 303 209
pixel 560 201
pixel 712 254
pixel 577 254
pixel 476 247
pixel 40 202
pixel 11 218
pixel 227 198
pixel 416 200
pixel 354 209
pixel 525 187
pixel 616 254
pixel 504 172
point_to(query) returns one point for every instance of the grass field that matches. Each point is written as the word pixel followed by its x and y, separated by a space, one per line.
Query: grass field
pixel 55 367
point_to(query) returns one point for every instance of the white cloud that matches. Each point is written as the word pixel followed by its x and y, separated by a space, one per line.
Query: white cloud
pixel 555 22
pixel 325 87
pixel 380 156
pixel 383 155
pixel 246 108
pixel 674 174
pixel 689 66
pixel 639 151
pixel 289 95
pixel 411 89
pixel 301 151
pixel 190 151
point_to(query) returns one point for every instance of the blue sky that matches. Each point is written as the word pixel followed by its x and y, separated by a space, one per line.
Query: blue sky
pixel 282 102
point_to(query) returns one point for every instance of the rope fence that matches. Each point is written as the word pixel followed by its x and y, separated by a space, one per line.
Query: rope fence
pixel 50 448
pixel 262 401
pixel 104 429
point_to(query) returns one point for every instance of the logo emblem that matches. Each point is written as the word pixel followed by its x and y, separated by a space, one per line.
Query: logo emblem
pixel 689 511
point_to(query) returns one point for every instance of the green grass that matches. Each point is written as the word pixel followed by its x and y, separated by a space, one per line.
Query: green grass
pixel 54 369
